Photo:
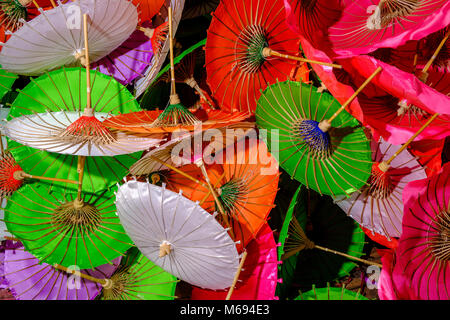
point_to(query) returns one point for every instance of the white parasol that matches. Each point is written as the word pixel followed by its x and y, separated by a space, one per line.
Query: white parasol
pixel 55 37
pixel 178 235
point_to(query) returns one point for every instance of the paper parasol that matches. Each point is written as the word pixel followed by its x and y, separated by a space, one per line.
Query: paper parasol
pixel 56 228
pixel 423 251
pixel 329 293
pixel 258 278
pixel 339 239
pixel 197 8
pixel 148 8
pixel 336 162
pixel 65 90
pixel 55 38
pixel 366 25
pixel 379 206
pixel 177 6
pixel 297 207
pixel 137 278
pixel 178 235
pixel 7 80
pixel 28 279
pixel 244 44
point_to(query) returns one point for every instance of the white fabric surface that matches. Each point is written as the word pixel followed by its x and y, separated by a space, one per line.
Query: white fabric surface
pixel 51 40
pixel 203 255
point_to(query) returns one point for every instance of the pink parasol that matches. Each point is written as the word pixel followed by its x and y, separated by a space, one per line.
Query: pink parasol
pixel 423 253
pixel 129 60
pixel 28 279
pixel 366 25
pixel 258 279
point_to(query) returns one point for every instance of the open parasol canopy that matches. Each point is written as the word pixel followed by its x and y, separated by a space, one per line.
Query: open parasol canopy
pixel 334 162
pixel 379 206
pixel 178 235
pixel 422 257
pixel 367 25
pixel 55 38
pixel 258 279
pixel 148 8
pixel 137 278
pixel 64 91
pixel 57 228
pixel 29 279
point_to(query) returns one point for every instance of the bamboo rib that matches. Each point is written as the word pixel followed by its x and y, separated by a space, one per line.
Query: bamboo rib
pixel 267 52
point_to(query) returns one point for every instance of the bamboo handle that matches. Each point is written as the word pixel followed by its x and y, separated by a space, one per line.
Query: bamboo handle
pixel 11 239
pixel 215 188
pixel 436 52
pixel 103 282
pixel 179 171
pixel 36 5
pixel 216 198
pixel 350 100
pixel 348 256
pixel 80 170
pixel 267 52
pixel 88 63
pixel 172 64
pixel 1 145
pixel 22 175
pixel 413 138
pixel 236 277
pixel 53 3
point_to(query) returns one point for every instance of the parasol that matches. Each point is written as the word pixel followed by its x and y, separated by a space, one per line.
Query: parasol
pixel 258 278
pixel 333 161
pixel 379 206
pixel 55 38
pixel 423 253
pixel 64 91
pixel 367 25
pixel 7 80
pixel 137 278
pixel 148 8
pixel 326 250
pixel 330 293
pixel 57 227
pixel 142 84
pixel 178 235
pixel 245 42
pixel 28 279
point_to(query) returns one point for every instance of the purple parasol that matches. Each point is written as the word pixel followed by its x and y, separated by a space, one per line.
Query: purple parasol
pixel 29 280
pixel 129 60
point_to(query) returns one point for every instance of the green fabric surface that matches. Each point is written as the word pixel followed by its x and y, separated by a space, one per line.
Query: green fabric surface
pixel 7 80
pixel 330 294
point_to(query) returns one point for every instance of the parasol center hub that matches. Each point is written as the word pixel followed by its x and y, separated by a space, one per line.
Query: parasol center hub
pixel 380 183
pixel 88 129
pixel 388 11
pixel 410 110
pixel 231 193
pixel 25 3
pixel 316 137
pixel 77 216
pixel 165 248
pixel 80 55
pixel 439 236
pixel 10 175
pixel 251 48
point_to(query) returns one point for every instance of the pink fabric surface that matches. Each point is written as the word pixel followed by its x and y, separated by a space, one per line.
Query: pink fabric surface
pixel 259 275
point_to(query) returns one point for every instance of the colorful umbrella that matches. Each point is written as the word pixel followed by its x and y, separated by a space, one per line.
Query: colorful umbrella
pixel 379 206
pixel 245 42
pixel 331 231
pixel 367 25
pixel 137 278
pixel 329 293
pixel 65 90
pixel 336 162
pixel 29 279
pixel 423 253
pixel 148 8
pixel 55 38
pixel 178 235
pixel 258 279
pixel 196 8
pixel 56 228
pixel 142 84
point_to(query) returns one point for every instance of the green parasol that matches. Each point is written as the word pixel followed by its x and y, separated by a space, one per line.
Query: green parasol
pixel 332 160
pixel 329 293
pixel 65 90
pixel 57 229
pixel 325 252
pixel 287 268
pixel 137 278
pixel 7 80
